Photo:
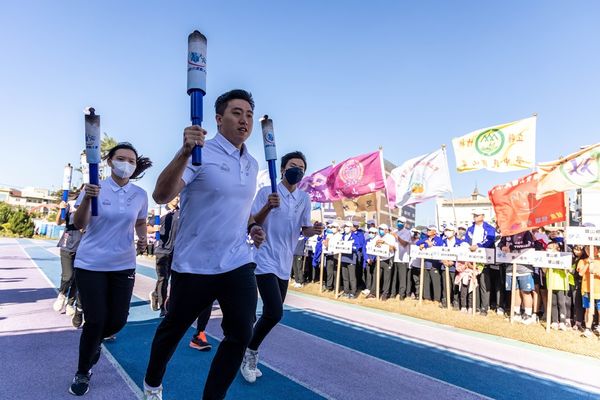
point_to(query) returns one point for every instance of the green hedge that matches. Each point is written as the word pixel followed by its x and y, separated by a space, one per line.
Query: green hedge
pixel 15 221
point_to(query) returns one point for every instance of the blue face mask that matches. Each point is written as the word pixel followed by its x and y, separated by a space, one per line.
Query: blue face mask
pixel 400 225
pixel 372 235
pixel 329 231
pixel 381 232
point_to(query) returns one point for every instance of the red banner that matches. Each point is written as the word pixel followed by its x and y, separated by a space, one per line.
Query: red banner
pixel 517 209
pixel 351 178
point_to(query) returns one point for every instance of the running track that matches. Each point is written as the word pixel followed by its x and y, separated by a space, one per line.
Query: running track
pixel 321 350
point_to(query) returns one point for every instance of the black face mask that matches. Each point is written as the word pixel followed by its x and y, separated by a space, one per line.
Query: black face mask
pixel 293 175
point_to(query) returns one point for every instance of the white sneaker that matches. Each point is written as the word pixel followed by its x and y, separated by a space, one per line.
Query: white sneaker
pixel 527 319
pixel 258 373
pixel 70 310
pixel 366 292
pixel 298 285
pixel 463 310
pixel 554 326
pixel 562 326
pixel 248 367
pixel 517 317
pixel 59 303
pixel 152 393
pixel 500 311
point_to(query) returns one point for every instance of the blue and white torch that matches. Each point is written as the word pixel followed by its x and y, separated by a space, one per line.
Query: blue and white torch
pixel 196 83
pixel 157 222
pixel 66 186
pixel 92 150
pixel 270 150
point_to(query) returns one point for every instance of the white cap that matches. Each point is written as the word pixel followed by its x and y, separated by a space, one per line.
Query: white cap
pixel 371 221
pixel 334 224
pixel 402 219
pixel 475 212
pixel 432 228
pixel 372 230
pixel 450 227
pixel 383 226
pixel 348 224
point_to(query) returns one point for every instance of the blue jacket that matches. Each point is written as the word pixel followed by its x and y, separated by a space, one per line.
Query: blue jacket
pixel 318 250
pixel 367 257
pixel 437 241
pixel 457 243
pixel 357 246
pixel 489 236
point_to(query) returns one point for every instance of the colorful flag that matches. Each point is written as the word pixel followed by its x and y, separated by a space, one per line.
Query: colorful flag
pixel 351 178
pixel 262 179
pixel 316 186
pixel 357 176
pixel 349 207
pixel 390 191
pixel 577 170
pixel 421 178
pixel 500 148
pixel 518 210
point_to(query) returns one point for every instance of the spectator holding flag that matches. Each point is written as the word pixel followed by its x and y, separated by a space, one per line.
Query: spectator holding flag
pixel 482 234
pixel 433 275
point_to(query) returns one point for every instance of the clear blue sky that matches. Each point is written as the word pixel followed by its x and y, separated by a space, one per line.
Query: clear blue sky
pixel 339 78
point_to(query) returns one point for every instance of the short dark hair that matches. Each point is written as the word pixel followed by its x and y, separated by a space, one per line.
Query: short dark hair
pixel 141 163
pixel 293 154
pixel 222 100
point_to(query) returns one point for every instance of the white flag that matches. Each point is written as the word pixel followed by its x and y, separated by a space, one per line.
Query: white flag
pixel 421 178
pixel 500 148
pixel 262 179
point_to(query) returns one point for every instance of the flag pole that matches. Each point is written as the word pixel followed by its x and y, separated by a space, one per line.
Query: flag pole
pixel 385 185
pixel 452 191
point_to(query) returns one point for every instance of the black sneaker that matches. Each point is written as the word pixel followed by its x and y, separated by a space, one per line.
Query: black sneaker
pixel 77 319
pixel 199 342
pixel 483 313
pixel 81 384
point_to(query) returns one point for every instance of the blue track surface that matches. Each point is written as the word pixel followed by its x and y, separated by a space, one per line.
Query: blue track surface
pixel 131 350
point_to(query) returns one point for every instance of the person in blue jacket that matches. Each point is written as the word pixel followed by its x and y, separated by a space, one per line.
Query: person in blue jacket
pixel 349 261
pixel 433 275
pixel 450 240
pixel 369 264
pixel 482 234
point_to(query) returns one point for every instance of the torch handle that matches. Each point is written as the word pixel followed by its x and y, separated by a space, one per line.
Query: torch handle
pixel 63 211
pixel 94 180
pixel 273 175
pixel 196 97
pixel 157 223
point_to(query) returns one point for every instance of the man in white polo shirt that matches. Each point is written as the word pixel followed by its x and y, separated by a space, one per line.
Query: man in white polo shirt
pixel 400 270
pixel 206 266
pixel 285 215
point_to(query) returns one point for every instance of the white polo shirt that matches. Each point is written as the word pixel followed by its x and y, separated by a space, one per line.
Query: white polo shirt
pixel 283 227
pixel 214 210
pixel 401 254
pixel 107 243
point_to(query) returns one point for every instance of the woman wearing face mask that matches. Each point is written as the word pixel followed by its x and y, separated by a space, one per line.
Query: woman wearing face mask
pixel 284 216
pixel 105 260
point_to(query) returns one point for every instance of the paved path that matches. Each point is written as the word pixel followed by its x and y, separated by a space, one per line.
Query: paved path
pixel 322 349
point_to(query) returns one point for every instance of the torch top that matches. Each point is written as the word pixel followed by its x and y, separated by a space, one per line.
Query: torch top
pixel 89 111
pixel 196 35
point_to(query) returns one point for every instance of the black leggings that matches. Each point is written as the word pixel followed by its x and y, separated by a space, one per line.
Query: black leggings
pixel 272 292
pixel 203 319
pixel 68 286
pixel 163 274
pixel 105 298
pixel 189 295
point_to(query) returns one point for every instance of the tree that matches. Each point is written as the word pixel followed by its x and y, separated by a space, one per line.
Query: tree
pixel 107 143
pixel 15 221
